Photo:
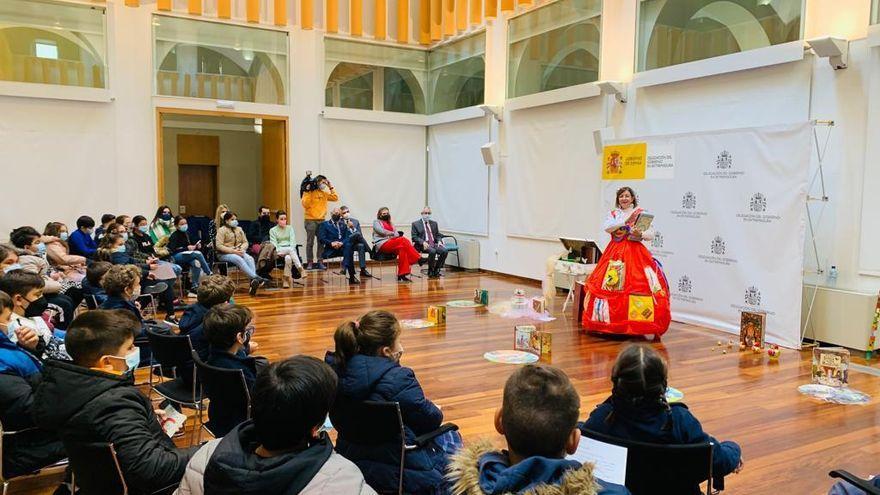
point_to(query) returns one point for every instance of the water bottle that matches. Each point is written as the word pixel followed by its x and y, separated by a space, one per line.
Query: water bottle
pixel 832 273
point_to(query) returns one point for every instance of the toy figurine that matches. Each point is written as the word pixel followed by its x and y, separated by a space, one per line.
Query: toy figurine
pixel 774 352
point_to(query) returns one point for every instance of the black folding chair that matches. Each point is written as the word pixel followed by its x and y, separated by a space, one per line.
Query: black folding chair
pixel 375 423
pixel 96 470
pixel 860 483
pixel 655 468
pixel 173 354
pixel 225 388
pixel 6 436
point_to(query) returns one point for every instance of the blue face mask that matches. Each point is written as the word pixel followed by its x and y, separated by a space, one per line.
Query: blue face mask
pixel 14 266
pixel 63 236
pixel 119 249
pixel 183 228
pixel 125 236
pixel 41 248
pixel 166 217
pixel 133 359
pixel 144 229
pixel 233 223
pixel 426 216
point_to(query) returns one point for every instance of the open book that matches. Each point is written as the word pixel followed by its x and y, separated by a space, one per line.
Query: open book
pixel 643 223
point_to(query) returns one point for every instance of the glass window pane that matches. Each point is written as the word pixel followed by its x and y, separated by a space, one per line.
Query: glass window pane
pixel 53 43
pixel 457 73
pixel 875 11
pixel 355 71
pixel 554 47
pixel 675 32
pixel 201 59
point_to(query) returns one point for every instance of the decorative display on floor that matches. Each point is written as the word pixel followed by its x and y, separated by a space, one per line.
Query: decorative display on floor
pixel 872 340
pixel 417 323
pixel 529 339
pixel 831 366
pixel 462 303
pixel 520 306
pixel 437 314
pixel 835 395
pixel 511 357
pixel 481 296
pixel 751 328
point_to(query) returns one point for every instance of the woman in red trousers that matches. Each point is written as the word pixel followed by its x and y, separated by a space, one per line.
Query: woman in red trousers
pixel 387 240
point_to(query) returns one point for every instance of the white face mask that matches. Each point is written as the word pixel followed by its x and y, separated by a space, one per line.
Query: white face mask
pixel 136 293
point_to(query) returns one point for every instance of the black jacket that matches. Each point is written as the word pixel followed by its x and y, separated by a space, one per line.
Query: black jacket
pixel 86 405
pixel 33 448
pixel 223 419
pixel 258 231
pixel 178 242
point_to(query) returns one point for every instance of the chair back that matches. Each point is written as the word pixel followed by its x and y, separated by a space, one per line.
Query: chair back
pixel 96 469
pixel 171 352
pixel 91 301
pixel 655 468
pixel 226 389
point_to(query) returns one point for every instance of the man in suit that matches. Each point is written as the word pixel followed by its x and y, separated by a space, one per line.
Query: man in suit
pixel 426 237
pixel 338 238
pixel 359 244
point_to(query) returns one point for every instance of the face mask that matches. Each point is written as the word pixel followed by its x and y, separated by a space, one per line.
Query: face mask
pixel 397 355
pixel 426 216
pixel 233 223
pixel 144 228
pixel 183 228
pixel 90 231
pixel 125 236
pixel 335 217
pixel 14 266
pixel 119 249
pixel 166 217
pixel 36 307
pixel 386 217
pixel 41 248
pixel 325 187
pixel 133 358
pixel 136 293
pixel 63 236
pixel 264 215
pixel 346 215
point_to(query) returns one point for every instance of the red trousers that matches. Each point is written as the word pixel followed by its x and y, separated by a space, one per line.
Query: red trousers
pixel 406 253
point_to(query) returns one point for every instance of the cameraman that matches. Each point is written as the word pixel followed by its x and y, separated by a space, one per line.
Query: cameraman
pixel 315 195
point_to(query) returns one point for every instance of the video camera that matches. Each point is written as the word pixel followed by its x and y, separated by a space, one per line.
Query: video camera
pixel 309 183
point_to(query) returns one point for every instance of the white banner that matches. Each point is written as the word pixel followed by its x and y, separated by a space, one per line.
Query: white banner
pixel 730 223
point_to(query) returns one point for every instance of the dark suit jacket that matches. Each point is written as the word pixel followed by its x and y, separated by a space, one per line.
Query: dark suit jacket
pixel 419 236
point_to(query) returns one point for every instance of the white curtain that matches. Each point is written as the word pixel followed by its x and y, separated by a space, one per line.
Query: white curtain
pixel 551 175
pixel 458 180
pixel 372 165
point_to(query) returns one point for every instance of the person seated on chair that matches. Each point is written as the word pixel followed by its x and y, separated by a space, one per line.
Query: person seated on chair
pixel 186 254
pixel 637 410
pixel 31 448
pixel 80 241
pixel 232 248
pixel 113 250
pixel 258 231
pixel 354 226
pixel 161 226
pixel 389 241
pixel 214 290
pixel 426 238
pixel 93 292
pixel 337 239
pixel 28 304
pixel 282 449
pixel 107 219
pixel 283 238
pixel 229 328
pixel 94 400
pixel 140 234
pixel 58 254
pixel 538 419
pixel 367 361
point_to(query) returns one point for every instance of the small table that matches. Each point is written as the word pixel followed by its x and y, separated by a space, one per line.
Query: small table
pixel 575 272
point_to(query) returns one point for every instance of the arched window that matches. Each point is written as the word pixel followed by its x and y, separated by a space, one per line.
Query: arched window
pixel 457 74
pixel 680 31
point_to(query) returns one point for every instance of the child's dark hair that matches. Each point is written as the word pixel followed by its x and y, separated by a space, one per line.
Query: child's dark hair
pixel 639 379
pixel 291 397
pixel 229 215
pixel 23 236
pixel 107 218
pixel 224 322
pixel 20 282
pixel 540 410
pixel 137 220
pixel 178 219
pixel 374 330
pixel 215 289
pixel 99 333
pixel 85 221
pixel 97 270
pixel 5 302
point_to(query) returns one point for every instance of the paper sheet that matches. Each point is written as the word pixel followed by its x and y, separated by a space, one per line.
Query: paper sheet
pixel 610 460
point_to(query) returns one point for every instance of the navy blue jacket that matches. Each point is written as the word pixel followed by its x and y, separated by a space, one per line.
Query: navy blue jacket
pixel 191 324
pixel 91 290
pixel 223 420
pixel 327 232
pixel 126 259
pixel 497 476
pixel 116 302
pixel 381 379
pixel 675 426
pixel 81 244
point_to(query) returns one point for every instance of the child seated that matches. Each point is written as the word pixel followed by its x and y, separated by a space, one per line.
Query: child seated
pixel 213 290
pixel 93 399
pixel 91 285
pixel 26 291
pixel 367 361
pixel 229 329
pixel 538 418
pixel 32 448
pixel 122 283
pixel 637 410
pixel 280 450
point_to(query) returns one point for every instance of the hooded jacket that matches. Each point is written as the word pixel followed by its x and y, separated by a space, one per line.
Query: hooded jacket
pixel 478 469
pixel 85 405
pixel 191 323
pixel 229 466
pixel 673 426
pixel 381 379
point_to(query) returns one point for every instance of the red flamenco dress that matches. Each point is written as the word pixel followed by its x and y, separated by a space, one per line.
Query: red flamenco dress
pixel 627 293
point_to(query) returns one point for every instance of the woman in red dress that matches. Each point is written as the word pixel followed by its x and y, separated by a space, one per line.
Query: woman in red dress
pixel 386 239
pixel 627 293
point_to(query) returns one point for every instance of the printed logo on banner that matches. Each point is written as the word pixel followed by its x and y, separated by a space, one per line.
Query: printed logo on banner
pixel 757 211
pixel 753 296
pixel 685 291
pixel 724 167
pixel 688 207
pixel 717 249
pixel 624 161
pixel 657 242
pixel 657 246
pixel 752 301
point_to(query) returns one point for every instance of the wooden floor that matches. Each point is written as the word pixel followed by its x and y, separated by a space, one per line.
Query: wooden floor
pixel 788 441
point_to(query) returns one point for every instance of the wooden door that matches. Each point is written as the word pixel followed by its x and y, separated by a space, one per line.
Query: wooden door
pixel 198 189
pixel 275 171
